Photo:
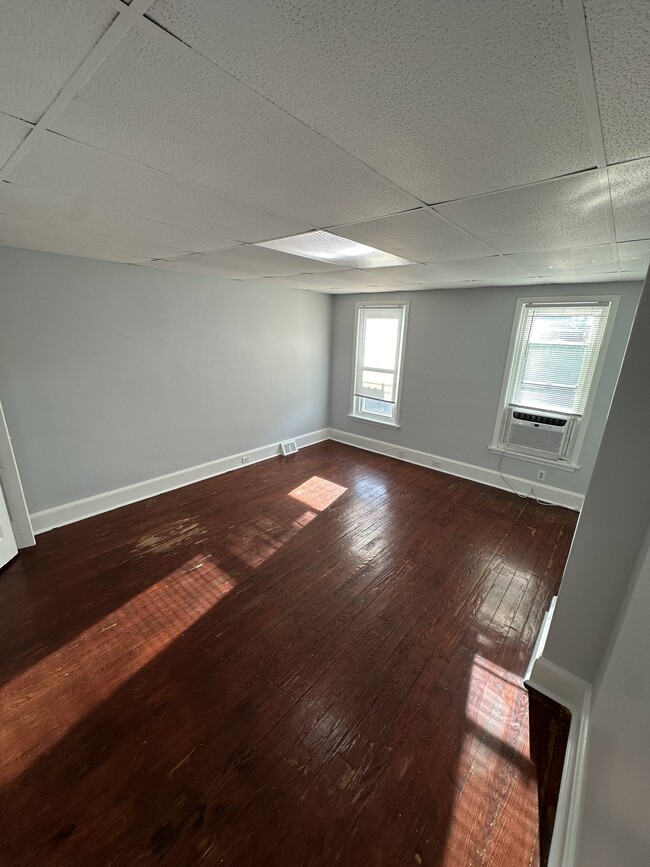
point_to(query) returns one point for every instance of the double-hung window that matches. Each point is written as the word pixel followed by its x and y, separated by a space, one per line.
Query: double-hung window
pixel 379 344
pixel 555 359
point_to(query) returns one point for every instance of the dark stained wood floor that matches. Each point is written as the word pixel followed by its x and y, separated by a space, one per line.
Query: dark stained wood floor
pixel 315 660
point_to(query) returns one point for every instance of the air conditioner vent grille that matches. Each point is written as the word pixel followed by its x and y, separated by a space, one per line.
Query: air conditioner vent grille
pixel 540 419
pixel 532 433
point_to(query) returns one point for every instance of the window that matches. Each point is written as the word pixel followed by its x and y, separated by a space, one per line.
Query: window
pixel 378 362
pixel 556 355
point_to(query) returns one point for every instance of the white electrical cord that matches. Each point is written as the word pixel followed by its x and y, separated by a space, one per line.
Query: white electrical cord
pixel 514 490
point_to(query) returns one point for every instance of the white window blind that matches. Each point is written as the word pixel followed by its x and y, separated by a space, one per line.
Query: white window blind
pixel 556 355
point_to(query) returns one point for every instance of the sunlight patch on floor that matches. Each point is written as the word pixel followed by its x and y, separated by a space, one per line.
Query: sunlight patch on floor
pixel 494 774
pixel 40 706
pixel 317 493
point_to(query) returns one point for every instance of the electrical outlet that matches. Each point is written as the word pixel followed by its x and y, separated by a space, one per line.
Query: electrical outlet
pixel 541 475
pixel 435 464
pixel 245 459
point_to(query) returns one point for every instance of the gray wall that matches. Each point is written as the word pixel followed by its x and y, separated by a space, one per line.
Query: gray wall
pixel 113 374
pixel 456 350
pixel 615 828
pixel 613 520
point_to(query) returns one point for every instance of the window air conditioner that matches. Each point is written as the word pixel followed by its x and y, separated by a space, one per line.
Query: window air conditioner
pixel 545 434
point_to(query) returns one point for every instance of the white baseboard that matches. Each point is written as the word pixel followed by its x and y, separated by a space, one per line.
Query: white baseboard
pixel 574 694
pixel 77 510
pixel 547 493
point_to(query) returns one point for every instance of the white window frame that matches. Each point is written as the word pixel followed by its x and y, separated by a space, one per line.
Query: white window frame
pixel 570 463
pixel 355 412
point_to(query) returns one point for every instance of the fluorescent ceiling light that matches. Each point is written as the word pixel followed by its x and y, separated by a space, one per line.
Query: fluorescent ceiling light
pixel 331 248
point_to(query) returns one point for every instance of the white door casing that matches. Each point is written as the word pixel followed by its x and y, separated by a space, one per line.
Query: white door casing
pixel 8 548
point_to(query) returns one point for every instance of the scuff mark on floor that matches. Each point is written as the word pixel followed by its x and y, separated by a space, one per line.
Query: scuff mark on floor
pixel 169 536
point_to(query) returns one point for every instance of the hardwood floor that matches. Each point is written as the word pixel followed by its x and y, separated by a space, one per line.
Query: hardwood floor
pixel 314 660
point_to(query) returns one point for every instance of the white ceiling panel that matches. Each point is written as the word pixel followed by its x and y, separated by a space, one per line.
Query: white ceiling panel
pixel 630 188
pixel 606 277
pixel 69 241
pixel 64 167
pixel 41 45
pixel 421 235
pixel 143 239
pixel 485 268
pixel 352 280
pixel 447 99
pixel 197 263
pixel 566 212
pixel 251 262
pixel 384 279
pixel 503 281
pixel 580 260
pixel 619 36
pixel 158 103
pixel 635 275
pixel 634 255
pixel 12 133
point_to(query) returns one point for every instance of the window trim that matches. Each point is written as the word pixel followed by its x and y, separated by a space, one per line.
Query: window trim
pixel 394 422
pixel 497 445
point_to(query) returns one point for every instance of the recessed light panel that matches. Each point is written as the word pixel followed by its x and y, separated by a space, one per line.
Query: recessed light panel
pixel 331 248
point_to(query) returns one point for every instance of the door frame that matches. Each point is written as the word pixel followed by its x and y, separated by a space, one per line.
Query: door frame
pixel 13 489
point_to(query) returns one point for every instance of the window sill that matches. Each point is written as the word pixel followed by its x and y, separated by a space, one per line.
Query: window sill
pixel 532 459
pixel 373 420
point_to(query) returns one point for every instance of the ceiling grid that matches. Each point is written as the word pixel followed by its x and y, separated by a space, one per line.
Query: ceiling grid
pixel 190 131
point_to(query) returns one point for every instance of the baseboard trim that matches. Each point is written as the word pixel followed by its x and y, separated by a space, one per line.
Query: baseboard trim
pixel 575 694
pixel 77 510
pixel 548 493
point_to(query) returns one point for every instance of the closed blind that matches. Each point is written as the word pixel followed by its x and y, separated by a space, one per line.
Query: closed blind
pixel 556 356
pixel 379 336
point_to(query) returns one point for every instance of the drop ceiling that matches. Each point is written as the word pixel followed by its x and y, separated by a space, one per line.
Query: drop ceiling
pixel 500 143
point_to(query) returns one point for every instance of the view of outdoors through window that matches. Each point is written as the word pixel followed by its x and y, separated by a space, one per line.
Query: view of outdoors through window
pixel 557 357
pixel 379 334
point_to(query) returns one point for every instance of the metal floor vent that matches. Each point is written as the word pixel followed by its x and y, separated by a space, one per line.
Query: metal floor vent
pixel 289 447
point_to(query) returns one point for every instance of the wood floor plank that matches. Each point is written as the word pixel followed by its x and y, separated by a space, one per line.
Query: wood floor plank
pixel 314 660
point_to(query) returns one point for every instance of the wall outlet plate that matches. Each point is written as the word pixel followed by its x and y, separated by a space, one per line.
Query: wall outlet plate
pixel 541 475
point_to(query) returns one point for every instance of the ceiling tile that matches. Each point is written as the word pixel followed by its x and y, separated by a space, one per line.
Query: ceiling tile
pixel 579 260
pixel 566 212
pixel 619 35
pixel 503 281
pixel 630 188
pixel 449 100
pixel 158 103
pixel 634 255
pixel 40 213
pixel 68 241
pixel 41 45
pixel 421 235
pixel 403 275
pixel 84 174
pixel 12 133
pixel 485 268
pixel 606 277
pixel 195 264
pixel 353 280
pixel 418 274
pixel 250 262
